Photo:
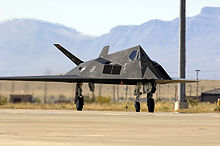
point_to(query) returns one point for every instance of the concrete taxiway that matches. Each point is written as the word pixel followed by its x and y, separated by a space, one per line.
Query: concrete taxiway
pixel 54 127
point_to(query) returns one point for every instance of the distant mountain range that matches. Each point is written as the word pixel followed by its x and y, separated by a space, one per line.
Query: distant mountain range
pixel 26 45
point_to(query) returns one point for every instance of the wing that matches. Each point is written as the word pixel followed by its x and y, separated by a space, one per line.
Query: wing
pixel 76 78
pixel 49 78
pixel 72 79
pixel 173 80
pixel 73 58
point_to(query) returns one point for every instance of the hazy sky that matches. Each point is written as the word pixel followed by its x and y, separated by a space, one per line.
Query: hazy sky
pixel 95 17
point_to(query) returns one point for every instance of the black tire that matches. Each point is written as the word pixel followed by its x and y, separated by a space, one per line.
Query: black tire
pixel 150 105
pixel 79 103
pixel 137 106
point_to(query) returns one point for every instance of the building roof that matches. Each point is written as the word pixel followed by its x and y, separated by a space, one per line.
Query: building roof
pixel 214 91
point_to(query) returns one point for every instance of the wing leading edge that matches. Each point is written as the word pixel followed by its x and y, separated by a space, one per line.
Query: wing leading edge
pixel 49 78
pixel 75 78
pixel 174 80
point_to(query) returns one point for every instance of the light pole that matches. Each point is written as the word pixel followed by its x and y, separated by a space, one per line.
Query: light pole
pixel 182 103
pixel 197 84
pixel 182 51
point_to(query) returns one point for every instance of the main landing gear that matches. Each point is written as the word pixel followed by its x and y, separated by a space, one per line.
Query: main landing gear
pixel 150 101
pixel 79 99
pixel 138 93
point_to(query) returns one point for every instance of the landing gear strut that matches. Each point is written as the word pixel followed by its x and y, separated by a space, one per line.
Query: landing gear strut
pixel 79 99
pixel 137 92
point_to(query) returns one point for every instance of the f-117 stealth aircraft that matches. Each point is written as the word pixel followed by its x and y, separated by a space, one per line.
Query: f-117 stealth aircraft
pixel 130 66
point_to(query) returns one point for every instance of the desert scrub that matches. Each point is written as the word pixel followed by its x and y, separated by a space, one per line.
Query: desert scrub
pixel 87 99
pixel 102 100
pixel 3 100
pixel 217 109
pixel 193 102
pixel 164 106
pixel 201 107
pixel 36 100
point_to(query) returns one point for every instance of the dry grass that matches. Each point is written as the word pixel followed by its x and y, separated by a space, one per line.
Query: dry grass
pixel 163 106
pixel 203 107
pixel 38 106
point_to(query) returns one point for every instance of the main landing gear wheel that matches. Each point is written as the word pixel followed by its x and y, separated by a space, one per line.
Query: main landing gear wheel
pixel 137 106
pixel 80 103
pixel 150 104
pixel 79 99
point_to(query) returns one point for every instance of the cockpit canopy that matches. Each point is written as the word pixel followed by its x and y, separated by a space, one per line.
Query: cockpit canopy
pixel 134 55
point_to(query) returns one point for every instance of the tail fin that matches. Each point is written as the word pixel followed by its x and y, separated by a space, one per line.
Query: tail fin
pixel 73 58
pixel 104 52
